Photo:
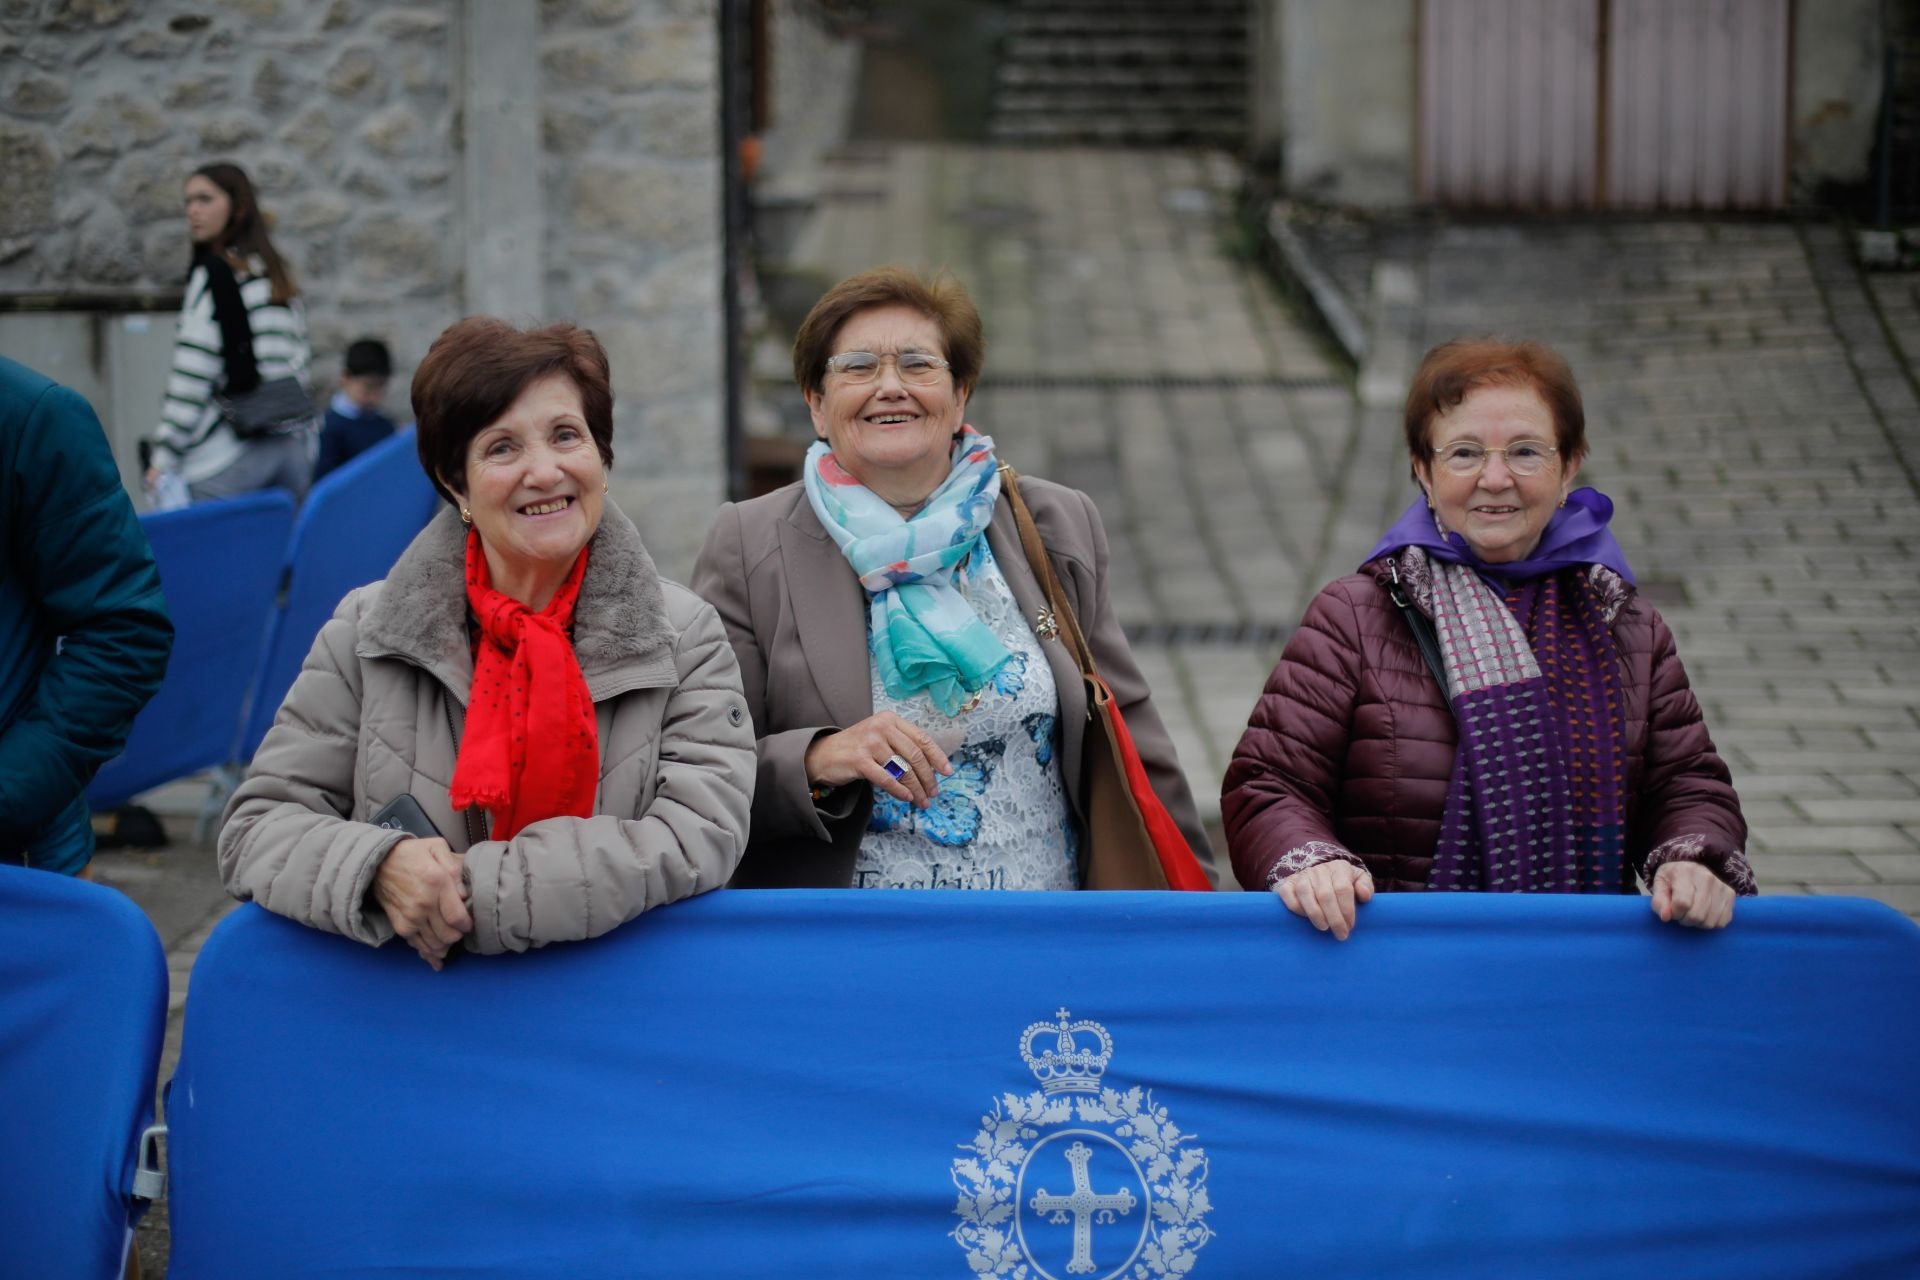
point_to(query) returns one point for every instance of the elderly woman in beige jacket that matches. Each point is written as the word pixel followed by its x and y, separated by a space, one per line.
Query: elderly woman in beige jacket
pixel 571 726
pixel 920 724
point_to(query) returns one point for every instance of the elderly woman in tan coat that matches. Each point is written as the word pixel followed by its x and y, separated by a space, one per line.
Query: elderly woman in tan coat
pixel 920 722
pixel 570 726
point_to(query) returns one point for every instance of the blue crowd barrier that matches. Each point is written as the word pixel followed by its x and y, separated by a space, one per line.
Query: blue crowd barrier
pixel 1063 1085
pixel 353 526
pixel 83 1006
pixel 220 569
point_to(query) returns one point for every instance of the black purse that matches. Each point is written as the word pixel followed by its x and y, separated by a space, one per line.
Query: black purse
pixel 251 407
pixel 275 408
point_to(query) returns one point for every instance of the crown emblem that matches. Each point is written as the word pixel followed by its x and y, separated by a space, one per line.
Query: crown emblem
pixel 1079 1179
pixel 1074 1057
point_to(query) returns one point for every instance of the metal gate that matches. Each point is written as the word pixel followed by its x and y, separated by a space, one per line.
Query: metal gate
pixel 1552 104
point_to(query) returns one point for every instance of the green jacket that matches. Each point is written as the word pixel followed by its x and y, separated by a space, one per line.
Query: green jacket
pixel 84 632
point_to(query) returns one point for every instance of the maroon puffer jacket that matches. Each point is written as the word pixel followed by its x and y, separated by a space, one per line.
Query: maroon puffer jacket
pixel 1350 748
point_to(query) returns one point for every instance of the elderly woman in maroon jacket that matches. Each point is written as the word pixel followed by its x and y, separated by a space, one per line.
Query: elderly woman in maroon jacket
pixel 1567 753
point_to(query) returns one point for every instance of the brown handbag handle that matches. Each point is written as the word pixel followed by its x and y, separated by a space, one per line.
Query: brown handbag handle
pixel 1042 566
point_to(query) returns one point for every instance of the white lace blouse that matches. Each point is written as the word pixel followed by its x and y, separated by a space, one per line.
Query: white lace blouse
pixel 1001 821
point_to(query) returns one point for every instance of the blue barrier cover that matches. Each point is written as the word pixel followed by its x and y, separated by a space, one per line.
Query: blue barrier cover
pixel 83 1005
pixel 1063 1085
pixel 355 524
pixel 220 568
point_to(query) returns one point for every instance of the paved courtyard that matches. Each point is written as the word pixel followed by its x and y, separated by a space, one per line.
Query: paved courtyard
pixel 1751 408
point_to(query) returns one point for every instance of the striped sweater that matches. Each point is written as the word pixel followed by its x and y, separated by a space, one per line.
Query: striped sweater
pixel 191 438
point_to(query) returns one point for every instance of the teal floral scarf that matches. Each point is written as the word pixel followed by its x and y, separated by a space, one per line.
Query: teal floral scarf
pixel 922 633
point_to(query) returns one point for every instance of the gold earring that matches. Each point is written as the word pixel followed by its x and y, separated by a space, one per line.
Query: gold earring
pixel 466 516
pixel 606 486
pixel 1563 499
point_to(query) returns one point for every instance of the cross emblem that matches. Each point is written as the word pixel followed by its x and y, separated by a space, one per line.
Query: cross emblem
pixel 1086 1207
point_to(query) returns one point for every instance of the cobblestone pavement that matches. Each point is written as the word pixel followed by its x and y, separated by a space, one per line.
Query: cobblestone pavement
pixel 1896 294
pixel 1751 409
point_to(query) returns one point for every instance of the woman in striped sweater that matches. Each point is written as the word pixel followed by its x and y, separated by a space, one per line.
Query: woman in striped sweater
pixel 241 325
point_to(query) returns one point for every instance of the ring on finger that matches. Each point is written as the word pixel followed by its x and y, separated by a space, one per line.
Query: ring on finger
pixel 896 767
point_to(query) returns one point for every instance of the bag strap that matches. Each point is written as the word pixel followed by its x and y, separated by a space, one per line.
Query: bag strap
pixel 1423 635
pixel 1042 566
pixel 235 323
pixel 476 820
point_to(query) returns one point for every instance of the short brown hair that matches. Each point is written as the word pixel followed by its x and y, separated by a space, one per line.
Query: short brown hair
pixel 1453 370
pixel 476 370
pixel 943 300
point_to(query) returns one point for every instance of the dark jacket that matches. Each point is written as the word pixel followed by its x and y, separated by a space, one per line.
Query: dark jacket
pixel 74 565
pixel 1351 748
pixel 798 620
pixel 344 437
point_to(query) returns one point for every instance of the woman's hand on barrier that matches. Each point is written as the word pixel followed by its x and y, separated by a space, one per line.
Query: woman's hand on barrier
pixel 1329 894
pixel 1689 894
pixel 421 887
pixel 863 751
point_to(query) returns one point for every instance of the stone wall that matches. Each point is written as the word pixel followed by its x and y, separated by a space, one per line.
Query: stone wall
pixel 1837 69
pixel 1266 105
pixel 1348 86
pixel 634 229
pixel 363 125
pixel 341 113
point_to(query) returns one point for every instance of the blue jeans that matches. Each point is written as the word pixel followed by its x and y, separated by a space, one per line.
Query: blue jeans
pixel 283 462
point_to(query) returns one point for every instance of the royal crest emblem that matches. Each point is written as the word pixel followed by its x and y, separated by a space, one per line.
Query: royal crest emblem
pixel 1079 1179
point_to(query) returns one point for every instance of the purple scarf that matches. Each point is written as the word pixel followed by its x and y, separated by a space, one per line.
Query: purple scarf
pixel 1537 799
pixel 1576 537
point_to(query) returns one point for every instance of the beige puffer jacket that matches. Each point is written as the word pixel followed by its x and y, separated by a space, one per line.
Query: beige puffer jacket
pixel 372 716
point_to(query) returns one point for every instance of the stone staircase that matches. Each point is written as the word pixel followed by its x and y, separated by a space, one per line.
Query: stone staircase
pixel 1123 72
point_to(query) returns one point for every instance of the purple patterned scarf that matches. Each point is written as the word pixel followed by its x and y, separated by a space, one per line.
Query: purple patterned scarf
pixel 1536 803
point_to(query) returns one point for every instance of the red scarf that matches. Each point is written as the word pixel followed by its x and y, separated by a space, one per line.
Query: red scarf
pixel 527 688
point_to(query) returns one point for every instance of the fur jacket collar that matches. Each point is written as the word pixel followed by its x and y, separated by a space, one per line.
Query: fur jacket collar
pixel 621 632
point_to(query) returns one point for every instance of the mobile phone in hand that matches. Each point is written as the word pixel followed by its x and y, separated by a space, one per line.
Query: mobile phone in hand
pixel 403 813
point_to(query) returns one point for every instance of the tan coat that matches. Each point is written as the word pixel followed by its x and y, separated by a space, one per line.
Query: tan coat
pixel 798 620
pixel 372 716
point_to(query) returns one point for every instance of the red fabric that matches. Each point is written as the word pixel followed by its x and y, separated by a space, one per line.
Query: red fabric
pixel 527 688
pixel 1176 859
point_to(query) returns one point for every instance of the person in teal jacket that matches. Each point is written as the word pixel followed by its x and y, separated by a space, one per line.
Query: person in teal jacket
pixel 84 632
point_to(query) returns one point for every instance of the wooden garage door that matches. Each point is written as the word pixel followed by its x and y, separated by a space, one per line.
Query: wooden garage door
pixel 1550 104
pixel 1697 104
pixel 1509 102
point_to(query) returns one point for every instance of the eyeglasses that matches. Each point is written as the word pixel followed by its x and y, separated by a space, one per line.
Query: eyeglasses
pixel 1523 457
pixel 863 366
